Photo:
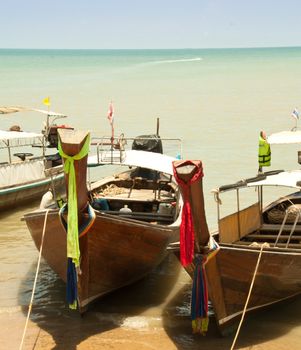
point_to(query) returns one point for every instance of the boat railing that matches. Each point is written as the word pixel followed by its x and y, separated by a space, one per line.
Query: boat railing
pixel 21 142
pixel 113 151
pixel 109 151
pixel 288 211
pixel 10 144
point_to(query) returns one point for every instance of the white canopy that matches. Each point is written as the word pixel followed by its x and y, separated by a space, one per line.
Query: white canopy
pixel 284 178
pixel 276 178
pixel 19 138
pixel 143 159
pixel 285 137
pixel 15 109
pixel 13 135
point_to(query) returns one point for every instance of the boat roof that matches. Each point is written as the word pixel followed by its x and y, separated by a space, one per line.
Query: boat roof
pixel 150 160
pixel 285 137
pixel 13 135
pixel 15 109
pixel 273 178
pixel 283 178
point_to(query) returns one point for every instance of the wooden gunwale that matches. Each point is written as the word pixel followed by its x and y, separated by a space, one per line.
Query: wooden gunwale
pixel 234 316
pixel 256 248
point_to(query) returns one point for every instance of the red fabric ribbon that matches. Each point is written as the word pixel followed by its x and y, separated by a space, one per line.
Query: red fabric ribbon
pixel 186 228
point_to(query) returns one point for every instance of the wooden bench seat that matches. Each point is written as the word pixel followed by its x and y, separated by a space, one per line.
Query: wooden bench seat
pixel 276 227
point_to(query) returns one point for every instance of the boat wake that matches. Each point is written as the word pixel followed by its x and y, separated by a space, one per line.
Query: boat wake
pixel 182 60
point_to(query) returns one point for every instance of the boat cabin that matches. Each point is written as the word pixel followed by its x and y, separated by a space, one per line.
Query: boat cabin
pixel 278 224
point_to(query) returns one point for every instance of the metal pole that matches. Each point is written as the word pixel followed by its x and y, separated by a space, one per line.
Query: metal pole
pixel 260 200
pixel 238 212
pixel 9 153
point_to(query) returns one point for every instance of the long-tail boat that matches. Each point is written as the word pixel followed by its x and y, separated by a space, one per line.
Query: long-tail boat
pixel 258 262
pixel 124 222
pixel 28 165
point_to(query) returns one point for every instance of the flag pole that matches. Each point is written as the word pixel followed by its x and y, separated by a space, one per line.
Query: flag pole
pixel 112 134
pixel 112 141
pixel 111 120
pixel 46 102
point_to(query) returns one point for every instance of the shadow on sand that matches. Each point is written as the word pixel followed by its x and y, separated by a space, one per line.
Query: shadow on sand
pixel 68 329
pixel 257 328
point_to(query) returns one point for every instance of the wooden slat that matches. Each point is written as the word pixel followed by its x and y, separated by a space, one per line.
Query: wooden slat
pixel 280 245
pixel 259 236
pixel 276 227
pixel 141 215
pixel 238 225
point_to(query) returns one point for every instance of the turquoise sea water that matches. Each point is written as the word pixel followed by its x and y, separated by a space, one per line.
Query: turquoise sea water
pixel 216 101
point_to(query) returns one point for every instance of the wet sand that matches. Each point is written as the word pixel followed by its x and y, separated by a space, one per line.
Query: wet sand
pixel 269 332
pixel 144 317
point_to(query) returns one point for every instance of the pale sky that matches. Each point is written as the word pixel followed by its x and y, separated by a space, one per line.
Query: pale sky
pixel 121 24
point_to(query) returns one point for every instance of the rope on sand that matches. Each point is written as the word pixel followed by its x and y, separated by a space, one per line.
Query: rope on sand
pixel 249 294
pixel 35 281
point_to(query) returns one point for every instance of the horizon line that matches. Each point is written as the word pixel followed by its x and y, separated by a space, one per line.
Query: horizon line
pixel 154 48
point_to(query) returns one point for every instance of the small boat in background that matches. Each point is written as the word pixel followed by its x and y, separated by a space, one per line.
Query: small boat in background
pixel 26 171
pixel 125 221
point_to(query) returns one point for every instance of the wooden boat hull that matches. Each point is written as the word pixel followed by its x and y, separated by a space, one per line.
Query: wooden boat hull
pixel 21 194
pixel 230 274
pixel 115 252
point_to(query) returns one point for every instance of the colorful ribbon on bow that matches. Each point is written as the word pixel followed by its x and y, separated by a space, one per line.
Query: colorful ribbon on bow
pixel 72 233
pixel 186 228
pixel 199 294
pixel 73 252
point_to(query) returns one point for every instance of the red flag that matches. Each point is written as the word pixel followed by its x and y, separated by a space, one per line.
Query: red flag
pixel 111 113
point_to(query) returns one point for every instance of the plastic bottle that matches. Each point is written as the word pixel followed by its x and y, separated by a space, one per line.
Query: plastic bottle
pixel 125 209
pixel 164 208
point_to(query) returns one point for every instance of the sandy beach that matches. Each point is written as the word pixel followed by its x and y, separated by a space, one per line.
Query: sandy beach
pixel 151 314
pixel 272 330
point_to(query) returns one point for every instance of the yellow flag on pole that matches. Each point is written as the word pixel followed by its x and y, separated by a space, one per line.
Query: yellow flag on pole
pixel 46 101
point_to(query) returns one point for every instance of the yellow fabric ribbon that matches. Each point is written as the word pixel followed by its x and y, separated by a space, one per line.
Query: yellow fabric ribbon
pixel 72 232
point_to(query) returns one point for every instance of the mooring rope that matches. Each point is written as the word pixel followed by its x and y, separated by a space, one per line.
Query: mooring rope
pixel 216 196
pixel 249 295
pixel 35 281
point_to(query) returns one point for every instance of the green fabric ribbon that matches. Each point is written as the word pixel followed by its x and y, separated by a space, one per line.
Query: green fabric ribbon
pixel 72 232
